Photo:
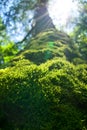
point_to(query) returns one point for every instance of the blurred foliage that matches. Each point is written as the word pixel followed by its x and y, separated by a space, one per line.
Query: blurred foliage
pixel 19 14
pixel 7 48
pixel 79 34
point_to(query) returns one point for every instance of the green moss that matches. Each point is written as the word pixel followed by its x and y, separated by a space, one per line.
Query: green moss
pixel 50 94
pixel 42 90
pixel 45 46
pixel 48 45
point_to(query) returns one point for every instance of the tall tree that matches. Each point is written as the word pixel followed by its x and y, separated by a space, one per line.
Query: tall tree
pixel 41 18
pixel 31 14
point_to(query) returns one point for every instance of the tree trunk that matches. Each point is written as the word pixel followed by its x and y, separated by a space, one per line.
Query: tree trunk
pixel 42 20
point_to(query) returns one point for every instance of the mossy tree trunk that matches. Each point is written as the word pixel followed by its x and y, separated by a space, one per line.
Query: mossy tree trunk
pixel 42 20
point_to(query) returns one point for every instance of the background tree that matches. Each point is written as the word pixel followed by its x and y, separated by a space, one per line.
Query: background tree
pixel 79 34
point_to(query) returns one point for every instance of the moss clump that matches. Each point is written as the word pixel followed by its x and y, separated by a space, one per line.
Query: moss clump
pixel 45 97
pixel 48 45
pixel 45 46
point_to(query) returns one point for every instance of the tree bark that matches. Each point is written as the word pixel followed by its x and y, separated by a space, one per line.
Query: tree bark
pixel 42 20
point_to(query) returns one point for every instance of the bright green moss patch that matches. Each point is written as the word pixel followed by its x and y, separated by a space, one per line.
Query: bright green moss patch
pixel 43 97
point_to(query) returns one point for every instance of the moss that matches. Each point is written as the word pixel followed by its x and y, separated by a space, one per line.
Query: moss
pixel 45 46
pixel 42 90
pixel 48 93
